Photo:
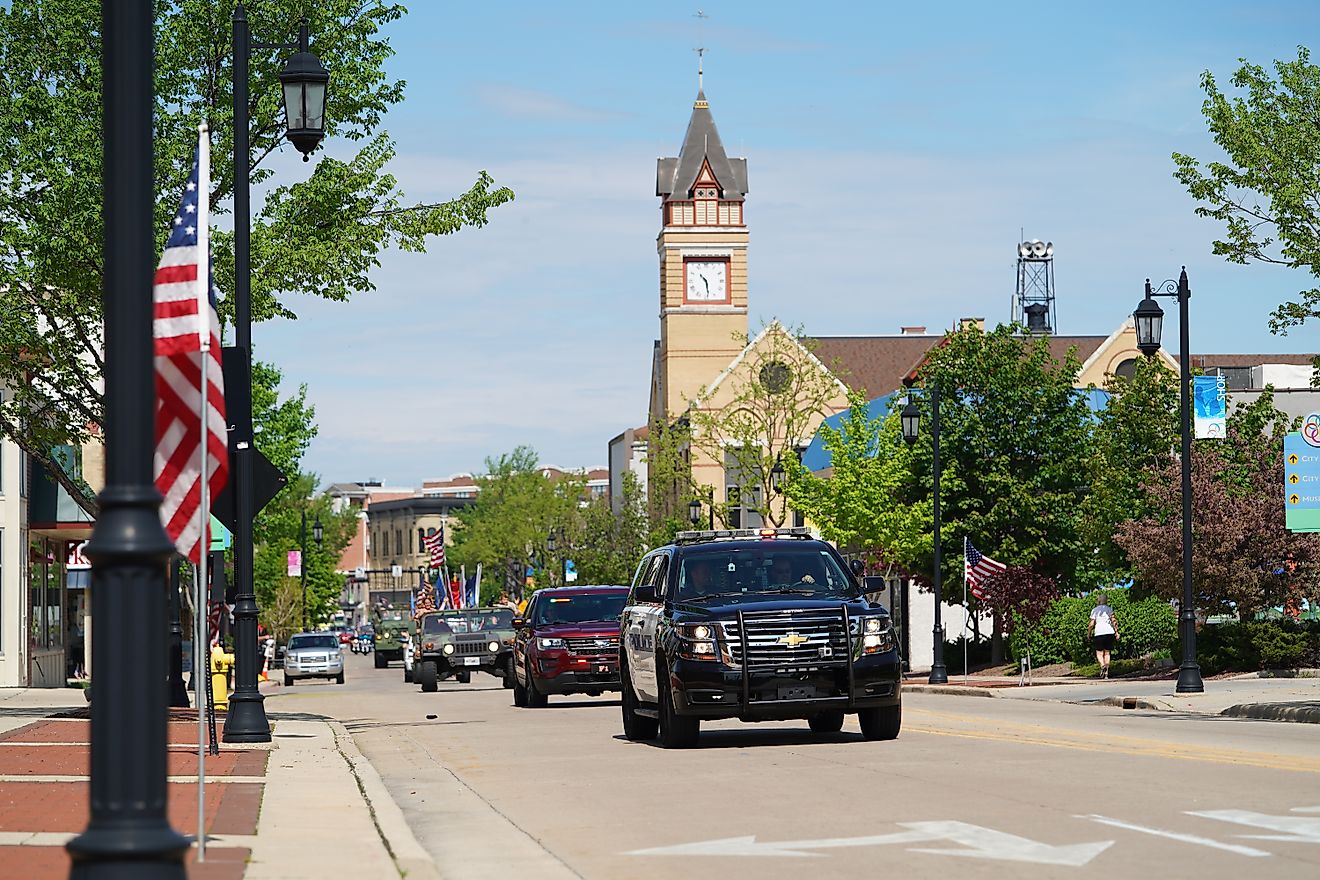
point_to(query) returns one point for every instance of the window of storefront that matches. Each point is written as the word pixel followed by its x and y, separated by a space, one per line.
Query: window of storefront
pixel 46 625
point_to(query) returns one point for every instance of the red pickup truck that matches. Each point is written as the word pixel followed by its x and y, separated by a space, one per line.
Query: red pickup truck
pixel 567 642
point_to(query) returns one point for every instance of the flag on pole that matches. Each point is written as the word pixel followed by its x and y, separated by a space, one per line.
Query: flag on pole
pixel 435 545
pixel 977 567
pixel 190 419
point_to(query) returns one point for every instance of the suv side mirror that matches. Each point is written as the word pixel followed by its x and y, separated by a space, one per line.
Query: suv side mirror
pixel 645 593
pixel 519 622
pixel 858 567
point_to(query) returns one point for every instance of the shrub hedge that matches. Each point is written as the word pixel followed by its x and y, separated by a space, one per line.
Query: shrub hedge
pixel 1146 626
pixel 1255 645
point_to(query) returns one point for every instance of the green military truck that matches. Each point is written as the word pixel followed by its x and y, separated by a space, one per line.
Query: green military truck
pixel 458 643
pixel 389 617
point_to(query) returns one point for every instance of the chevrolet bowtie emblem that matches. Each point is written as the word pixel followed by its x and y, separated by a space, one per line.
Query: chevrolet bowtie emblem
pixel 792 640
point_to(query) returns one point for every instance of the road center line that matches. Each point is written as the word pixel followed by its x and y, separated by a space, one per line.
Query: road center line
pixel 1174 835
pixel 1242 759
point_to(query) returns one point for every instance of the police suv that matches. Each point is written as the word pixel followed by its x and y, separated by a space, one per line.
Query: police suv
pixel 759 625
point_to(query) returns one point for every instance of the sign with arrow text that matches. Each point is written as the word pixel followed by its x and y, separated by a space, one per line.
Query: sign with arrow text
pixel 1301 484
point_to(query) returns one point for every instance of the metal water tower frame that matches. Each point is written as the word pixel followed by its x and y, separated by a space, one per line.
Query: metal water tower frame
pixel 1033 303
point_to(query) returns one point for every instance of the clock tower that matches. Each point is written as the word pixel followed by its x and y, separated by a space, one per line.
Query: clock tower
pixel 703 265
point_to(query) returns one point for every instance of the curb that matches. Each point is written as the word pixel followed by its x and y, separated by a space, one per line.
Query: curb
pixel 1306 713
pixel 1128 703
pixel 411 859
pixel 956 690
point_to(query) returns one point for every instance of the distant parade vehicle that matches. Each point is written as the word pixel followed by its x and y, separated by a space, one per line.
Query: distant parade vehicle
pixel 567 642
pixel 458 643
pixel 391 624
pixel 313 655
pixel 758 625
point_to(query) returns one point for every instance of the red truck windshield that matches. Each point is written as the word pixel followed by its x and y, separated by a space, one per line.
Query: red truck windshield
pixel 578 609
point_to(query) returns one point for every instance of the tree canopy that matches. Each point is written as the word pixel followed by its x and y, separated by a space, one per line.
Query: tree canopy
pixel 1267 193
pixel 320 235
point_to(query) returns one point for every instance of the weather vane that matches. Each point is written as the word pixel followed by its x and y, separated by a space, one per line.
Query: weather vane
pixel 701 18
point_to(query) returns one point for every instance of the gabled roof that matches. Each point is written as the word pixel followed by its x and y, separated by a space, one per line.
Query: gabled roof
pixel 876 365
pixel 674 177
pixel 774 325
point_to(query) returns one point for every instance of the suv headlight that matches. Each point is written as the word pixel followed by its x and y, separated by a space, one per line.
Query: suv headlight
pixel 696 641
pixel 877 635
pixel 493 646
pixel 448 649
pixel 544 643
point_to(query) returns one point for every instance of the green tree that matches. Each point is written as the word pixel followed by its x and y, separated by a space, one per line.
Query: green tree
pixel 866 501
pixel 507 526
pixel 1015 440
pixel 613 543
pixel 1267 193
pixel 320 236
pixel 280 527
pixel 1135 433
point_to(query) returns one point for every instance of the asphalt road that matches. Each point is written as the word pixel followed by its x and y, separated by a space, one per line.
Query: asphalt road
pixel 973 787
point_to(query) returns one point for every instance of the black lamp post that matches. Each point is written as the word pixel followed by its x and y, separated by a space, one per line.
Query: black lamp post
pixel 304 85
pixel 777 478
pixel 694 512
pixel 910 417
pixel 1149 318
pixel 128 834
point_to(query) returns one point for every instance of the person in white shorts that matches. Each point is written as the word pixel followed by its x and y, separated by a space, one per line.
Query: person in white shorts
pixel 1103 630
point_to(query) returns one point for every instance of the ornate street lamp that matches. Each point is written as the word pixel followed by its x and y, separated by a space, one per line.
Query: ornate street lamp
pixel 694 511
pixel 910 416
pixel 1149 318
pixel 304 85
pixel 304 80
pixel 777 478
pixel 318 533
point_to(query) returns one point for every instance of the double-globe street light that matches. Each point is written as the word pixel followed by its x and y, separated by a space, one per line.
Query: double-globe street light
pixel 910 417
pixel 1149 318
pixel 318 532
pixel 303 81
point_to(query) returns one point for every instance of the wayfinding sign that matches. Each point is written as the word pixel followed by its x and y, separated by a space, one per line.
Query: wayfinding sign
pixel 1301 483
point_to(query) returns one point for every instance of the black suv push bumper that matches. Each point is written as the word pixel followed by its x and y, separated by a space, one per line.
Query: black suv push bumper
pixel 715 690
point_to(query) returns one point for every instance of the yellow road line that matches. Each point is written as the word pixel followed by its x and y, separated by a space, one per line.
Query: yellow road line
pixel 1101 737
pixel 1243 759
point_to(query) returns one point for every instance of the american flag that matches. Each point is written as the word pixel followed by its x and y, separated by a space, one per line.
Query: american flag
pixel 435 545
pixel 977 567
pixel 178 327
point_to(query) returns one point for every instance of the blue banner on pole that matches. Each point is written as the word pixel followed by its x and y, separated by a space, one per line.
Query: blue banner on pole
pixel 1210 403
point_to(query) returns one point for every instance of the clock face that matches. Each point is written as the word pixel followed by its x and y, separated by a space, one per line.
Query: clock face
pixel 707 280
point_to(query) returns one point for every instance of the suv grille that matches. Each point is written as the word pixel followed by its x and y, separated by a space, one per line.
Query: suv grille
pixel 594 646
pixel 472 647
pixel 808 638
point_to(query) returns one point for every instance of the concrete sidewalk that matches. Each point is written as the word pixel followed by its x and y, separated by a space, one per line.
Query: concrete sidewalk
pixel 1244 696
pixel 306 805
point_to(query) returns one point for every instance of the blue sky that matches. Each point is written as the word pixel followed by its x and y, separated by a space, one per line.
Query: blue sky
pixel 894 152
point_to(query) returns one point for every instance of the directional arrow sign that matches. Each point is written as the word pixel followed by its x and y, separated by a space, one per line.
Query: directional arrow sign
pixel 1295 829
pixel 1294 479
pixel 1292 458
pixel 1294 498
pixel 978 843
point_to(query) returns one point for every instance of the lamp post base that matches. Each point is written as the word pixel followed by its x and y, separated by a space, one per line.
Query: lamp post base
pixel 938 673
pixel 149 851
pixel 246 721
pixel 1189 678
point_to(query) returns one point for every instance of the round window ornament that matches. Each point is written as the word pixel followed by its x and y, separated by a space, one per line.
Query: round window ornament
pixel 776 376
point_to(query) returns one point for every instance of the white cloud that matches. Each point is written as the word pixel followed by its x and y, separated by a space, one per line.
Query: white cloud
pixel 519 102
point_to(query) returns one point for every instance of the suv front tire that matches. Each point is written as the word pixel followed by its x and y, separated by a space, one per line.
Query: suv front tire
pixel 880 724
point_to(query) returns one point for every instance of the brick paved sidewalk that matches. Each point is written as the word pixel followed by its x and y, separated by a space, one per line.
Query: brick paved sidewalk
pixel 44 793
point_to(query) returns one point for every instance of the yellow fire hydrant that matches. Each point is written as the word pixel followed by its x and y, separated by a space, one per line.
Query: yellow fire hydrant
pixel 221 662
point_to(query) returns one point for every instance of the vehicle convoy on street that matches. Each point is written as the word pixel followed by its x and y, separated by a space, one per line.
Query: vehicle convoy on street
pixel 313 655
pixel 391 629
pixel 567 642
pixel 757 625
pixel 458 643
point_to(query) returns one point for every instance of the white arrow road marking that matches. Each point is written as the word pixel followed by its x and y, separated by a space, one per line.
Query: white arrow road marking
pixel 1294 829
pixel 748 846
pixel 981 843
pixel 986 843
pixel 1174 835
pixel 1306 809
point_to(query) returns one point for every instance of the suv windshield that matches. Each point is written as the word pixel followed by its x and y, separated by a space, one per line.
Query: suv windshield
pixel 773 568
pixel 433 625
pixel 579 608
pixel 500 618
pixel 314 641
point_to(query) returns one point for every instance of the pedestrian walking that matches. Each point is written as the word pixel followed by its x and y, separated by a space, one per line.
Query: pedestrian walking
pixel 1103 630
